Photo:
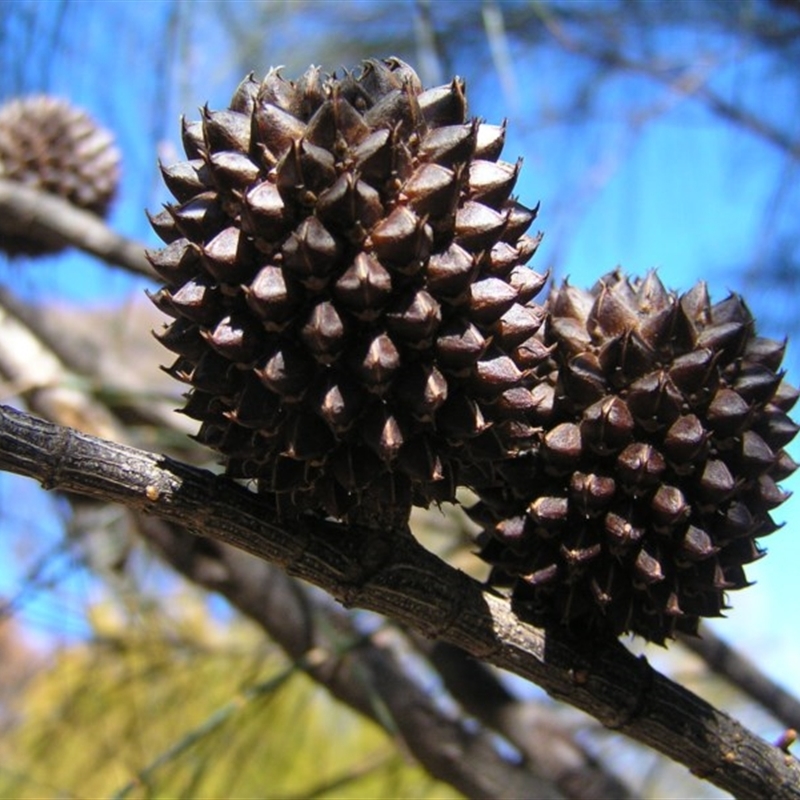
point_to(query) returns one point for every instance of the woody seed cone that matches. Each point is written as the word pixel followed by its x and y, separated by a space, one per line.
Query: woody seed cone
pixel 344 264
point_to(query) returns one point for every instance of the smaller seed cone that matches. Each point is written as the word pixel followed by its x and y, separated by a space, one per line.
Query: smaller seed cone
pixel 48 144
pixel 663 422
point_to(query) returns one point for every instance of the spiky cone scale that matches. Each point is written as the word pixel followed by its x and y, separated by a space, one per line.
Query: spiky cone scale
pixel 345 265
pixel 48 144
pixel 664 422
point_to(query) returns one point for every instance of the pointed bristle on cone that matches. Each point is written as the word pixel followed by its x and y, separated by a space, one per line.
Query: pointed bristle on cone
pixel 664 419
pixel 48 144
pixel 344 264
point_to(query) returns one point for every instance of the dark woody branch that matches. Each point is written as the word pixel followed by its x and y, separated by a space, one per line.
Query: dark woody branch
pixel 396 576
pixel 57 223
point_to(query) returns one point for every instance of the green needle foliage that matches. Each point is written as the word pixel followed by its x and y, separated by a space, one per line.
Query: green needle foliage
pixel 155 708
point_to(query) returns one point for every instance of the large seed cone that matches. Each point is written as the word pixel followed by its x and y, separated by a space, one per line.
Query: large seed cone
pixel 664 420
pixel 48 144
pixel 344 264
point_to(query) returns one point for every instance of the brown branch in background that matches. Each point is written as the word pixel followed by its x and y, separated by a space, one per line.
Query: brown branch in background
pixel 31 370
pixel 790 5
pixel 58 223
pixel 536 731
pixel 76 356
pixel 429 47
pixel 79 360
pixel 494 27
pixel 746 676
pixel 397 577
pixel 368 678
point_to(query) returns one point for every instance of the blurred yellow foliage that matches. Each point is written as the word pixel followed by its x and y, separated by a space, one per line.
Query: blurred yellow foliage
pixel 173 704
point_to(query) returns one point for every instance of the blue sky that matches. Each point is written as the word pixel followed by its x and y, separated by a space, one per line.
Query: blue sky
pixel 685 194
